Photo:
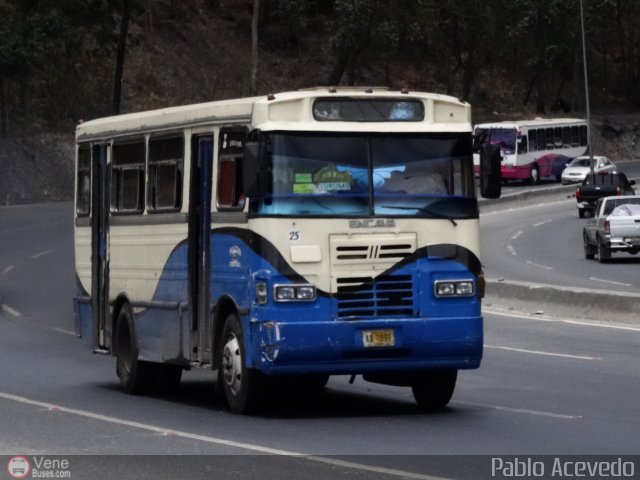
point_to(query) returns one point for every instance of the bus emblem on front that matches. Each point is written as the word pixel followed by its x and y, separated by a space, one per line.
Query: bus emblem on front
pixel 235 253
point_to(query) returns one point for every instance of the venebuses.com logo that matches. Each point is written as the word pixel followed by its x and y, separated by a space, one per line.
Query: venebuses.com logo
pixel 38 467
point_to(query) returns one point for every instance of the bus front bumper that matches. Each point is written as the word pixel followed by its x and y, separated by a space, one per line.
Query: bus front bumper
pixel 361 346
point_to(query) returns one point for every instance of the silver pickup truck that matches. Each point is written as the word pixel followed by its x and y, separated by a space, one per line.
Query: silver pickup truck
pixel 615 227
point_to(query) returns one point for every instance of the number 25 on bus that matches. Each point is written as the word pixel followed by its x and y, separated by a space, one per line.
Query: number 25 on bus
pixel 279 240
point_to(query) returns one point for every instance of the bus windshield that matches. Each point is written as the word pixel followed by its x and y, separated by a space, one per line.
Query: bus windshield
pixel 328 174
pixel 504 137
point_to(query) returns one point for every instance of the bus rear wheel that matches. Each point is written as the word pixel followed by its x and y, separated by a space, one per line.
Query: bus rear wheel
pixel 534 175
pixel 433 390
pixel 241 385
pixel 136 376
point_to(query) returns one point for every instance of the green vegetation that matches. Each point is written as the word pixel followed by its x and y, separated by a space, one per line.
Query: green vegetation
pixel 66 60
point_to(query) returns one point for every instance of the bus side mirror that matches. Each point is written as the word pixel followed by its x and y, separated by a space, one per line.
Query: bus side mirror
pixel 254 172
pixel 490 174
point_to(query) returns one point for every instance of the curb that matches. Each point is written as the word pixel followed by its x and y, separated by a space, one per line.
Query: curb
pixel 566 302
pixel 555 300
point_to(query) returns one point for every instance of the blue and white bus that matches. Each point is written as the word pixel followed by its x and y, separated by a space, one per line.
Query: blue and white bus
pixel 292 236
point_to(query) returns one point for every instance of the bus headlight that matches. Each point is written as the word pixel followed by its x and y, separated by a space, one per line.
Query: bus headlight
pixel 454 288
pixel 294 293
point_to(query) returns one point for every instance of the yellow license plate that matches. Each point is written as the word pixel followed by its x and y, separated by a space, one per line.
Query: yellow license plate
pixel 378 338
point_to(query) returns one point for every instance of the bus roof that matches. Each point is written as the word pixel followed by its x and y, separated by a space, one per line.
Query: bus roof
pixel 538 122
pixel 283 111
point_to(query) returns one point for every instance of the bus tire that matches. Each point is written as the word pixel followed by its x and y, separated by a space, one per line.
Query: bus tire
pixel 136 376
pixel 534 175
pixel 433 390
pixel 241 385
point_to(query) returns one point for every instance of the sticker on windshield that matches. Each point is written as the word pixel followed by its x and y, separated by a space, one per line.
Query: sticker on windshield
pixel 333 186
pixel 325 180
pixel 303 178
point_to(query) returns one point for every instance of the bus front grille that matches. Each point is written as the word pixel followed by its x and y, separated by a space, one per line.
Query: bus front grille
pixel 368 297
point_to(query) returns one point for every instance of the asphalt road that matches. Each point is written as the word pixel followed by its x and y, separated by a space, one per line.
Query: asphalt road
pixel 542 243
pixel 545 387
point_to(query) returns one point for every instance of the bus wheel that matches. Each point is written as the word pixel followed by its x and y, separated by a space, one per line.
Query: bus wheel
pixel 136 376
pixel 241 385
pixel 534 175
pixel 433 390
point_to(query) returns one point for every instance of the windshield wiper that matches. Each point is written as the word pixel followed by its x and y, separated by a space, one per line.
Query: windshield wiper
pixel 426 210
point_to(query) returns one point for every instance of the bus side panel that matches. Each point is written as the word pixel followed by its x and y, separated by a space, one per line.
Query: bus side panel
pixel 161 334
pixel 232 262
pixel 82 319
pixel 163 329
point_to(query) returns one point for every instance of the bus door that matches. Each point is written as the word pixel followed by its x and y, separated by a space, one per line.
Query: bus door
pixel 200 245
pixel 99 248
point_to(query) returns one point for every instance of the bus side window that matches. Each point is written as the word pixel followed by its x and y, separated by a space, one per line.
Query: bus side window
pixel 83 200
pixel 533 144
pixel 166 164
pixel 230 185
pixel 127 177
pixel 522 146
pixel 583 135
pixel 566 137
pixel 550 138
pixel 557 137
pixel 226 182
pixel 575 136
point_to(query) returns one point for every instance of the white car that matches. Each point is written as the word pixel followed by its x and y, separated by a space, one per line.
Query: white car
pixel 577 170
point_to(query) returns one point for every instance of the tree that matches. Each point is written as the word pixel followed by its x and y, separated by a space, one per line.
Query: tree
pixel 120 54
pixel 254 47
pixel 355 29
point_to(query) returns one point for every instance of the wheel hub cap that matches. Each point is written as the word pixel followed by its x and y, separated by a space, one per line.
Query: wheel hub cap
pixel 232 365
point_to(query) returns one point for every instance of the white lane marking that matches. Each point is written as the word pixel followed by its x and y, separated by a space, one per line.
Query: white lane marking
pixel 511 250
pixel 544 222
pixel 41 254
pixel 6 308
pixel 548 354
pixel 529 262
pixel 218 441
pixel 611 282
pixel 8 269
pixel 517 209
pixel 538 413
pixel 66 332
pixel 537 318
pixel 516 235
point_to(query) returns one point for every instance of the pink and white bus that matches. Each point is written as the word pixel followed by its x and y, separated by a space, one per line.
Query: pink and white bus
pixel 534 149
